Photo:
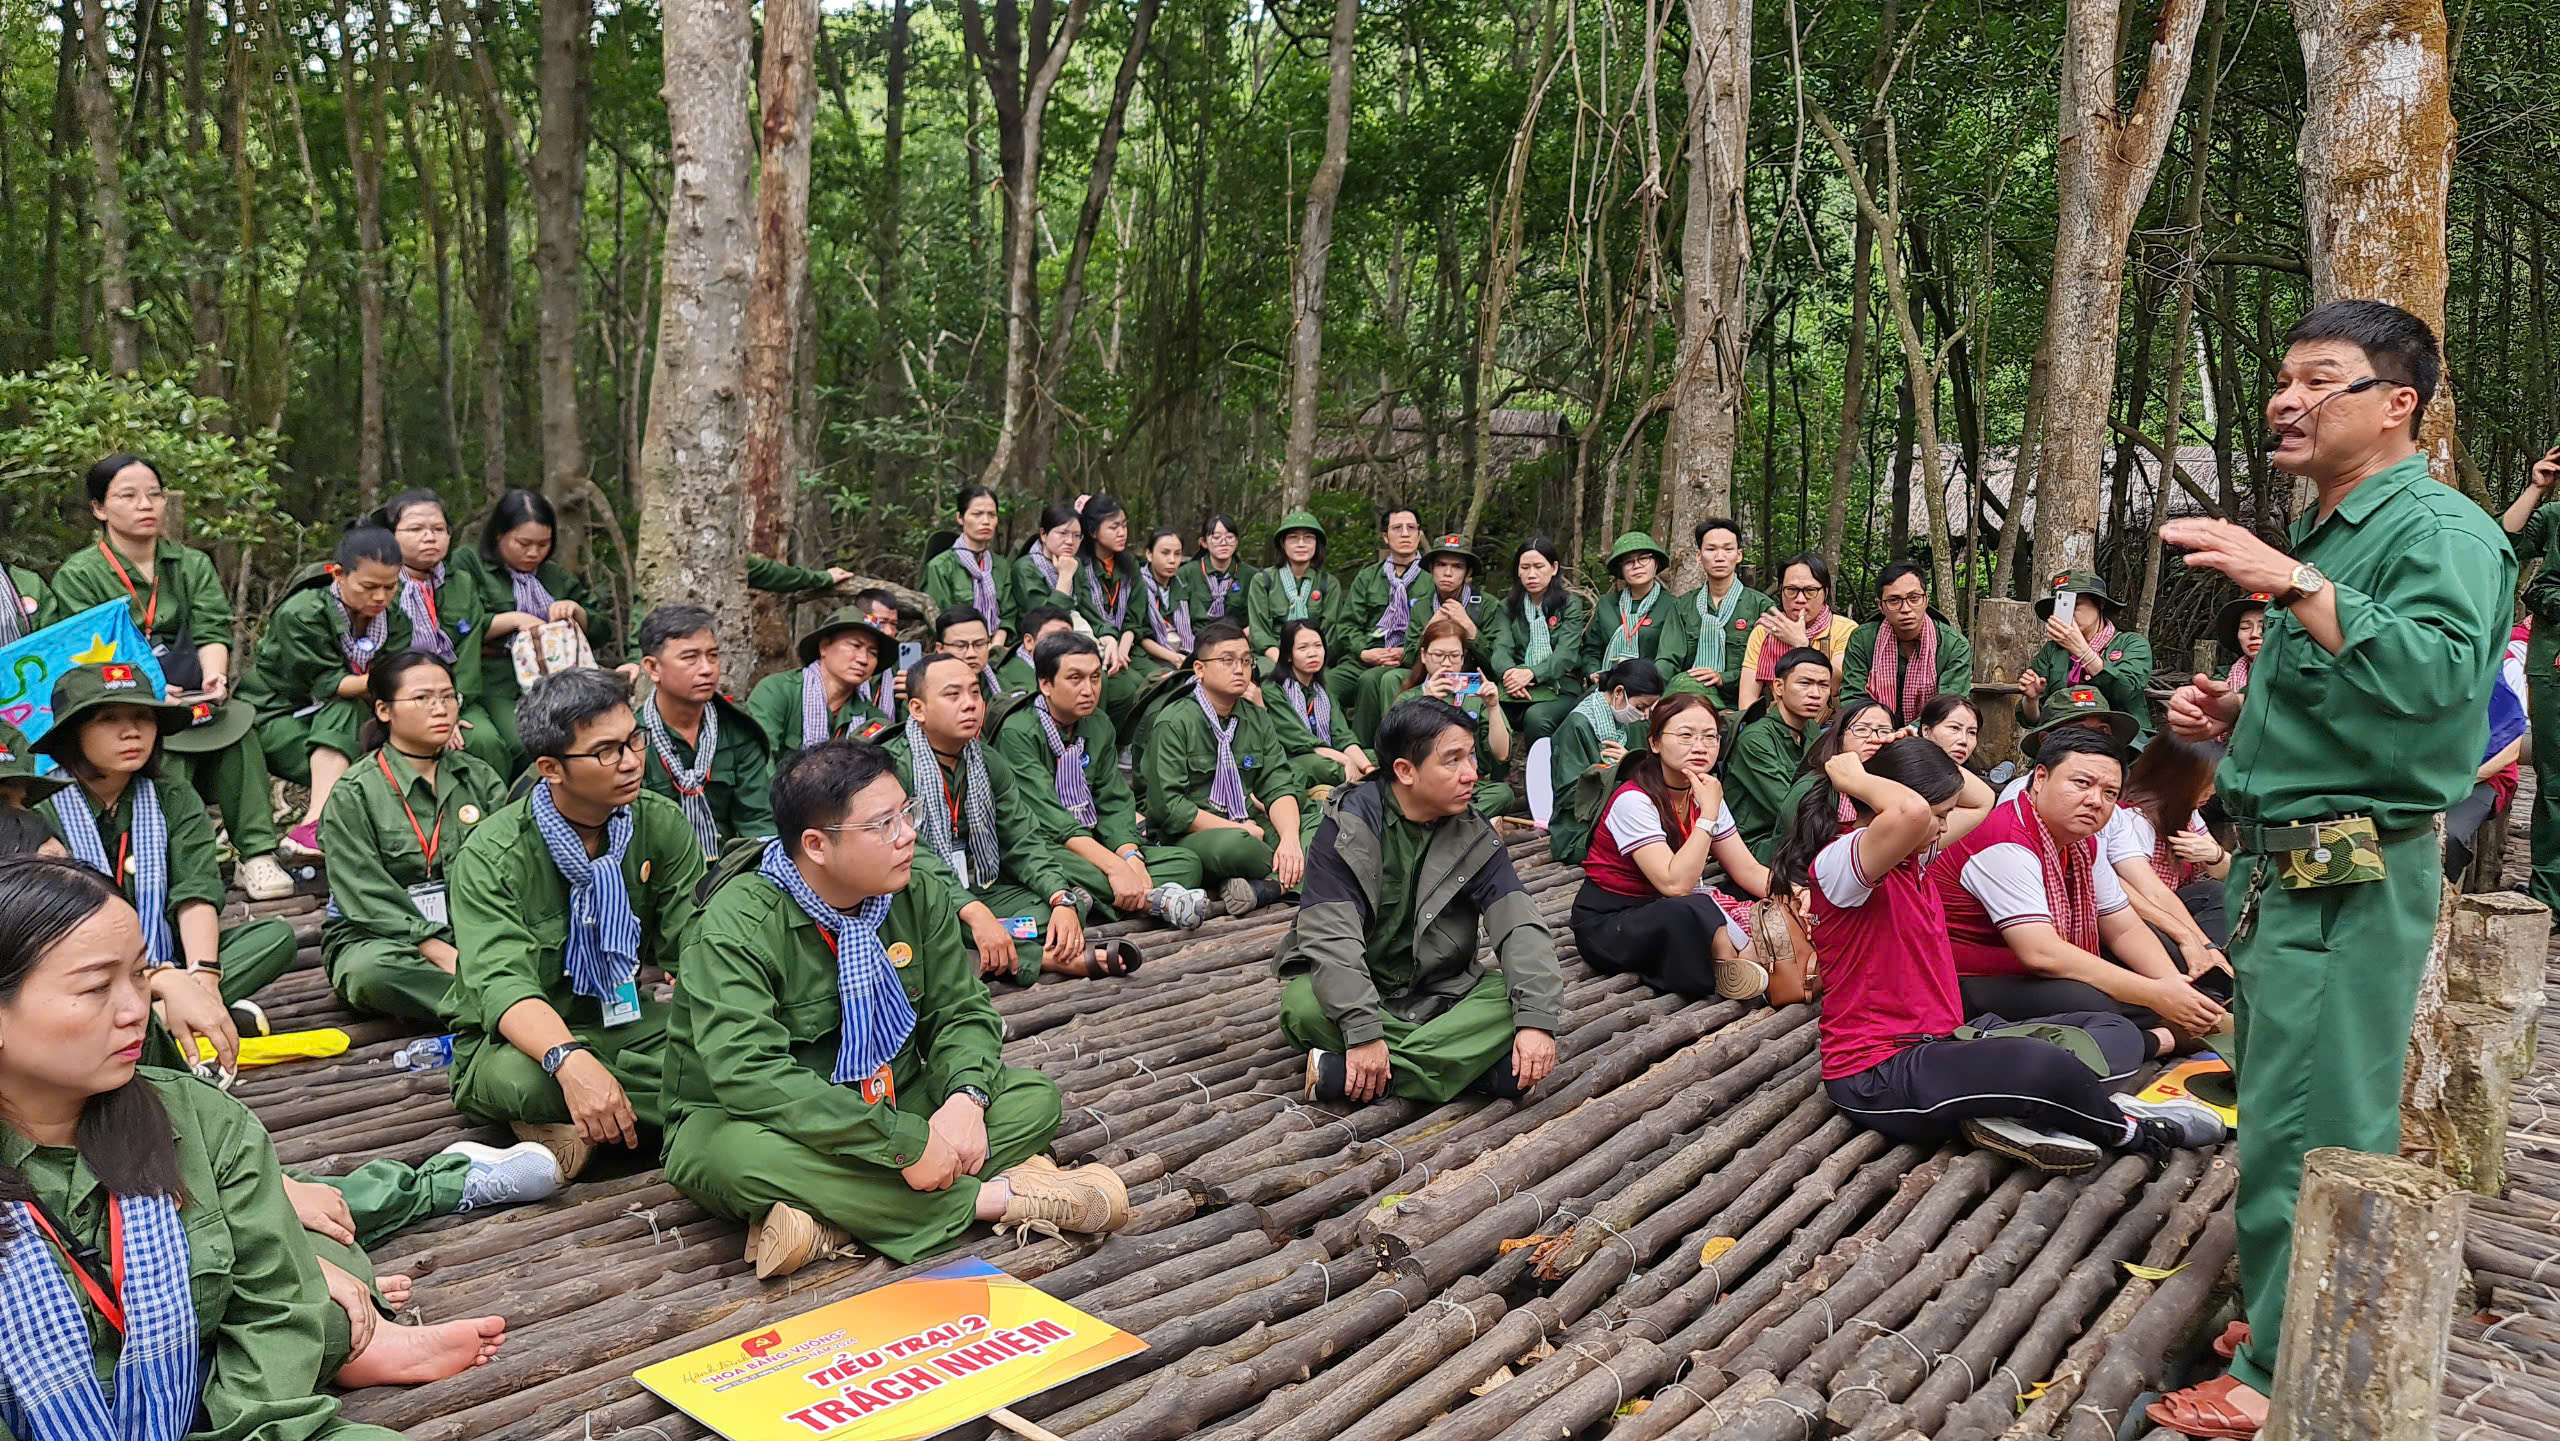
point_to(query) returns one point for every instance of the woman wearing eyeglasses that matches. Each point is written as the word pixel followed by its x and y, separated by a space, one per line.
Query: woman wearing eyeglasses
pixel 1803 620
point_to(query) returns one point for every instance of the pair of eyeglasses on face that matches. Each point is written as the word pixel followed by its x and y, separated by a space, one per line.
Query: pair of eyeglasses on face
pixel 1801 592
pixel 1870 732
pixel 905 820
pixel 613 754
pixel 439 700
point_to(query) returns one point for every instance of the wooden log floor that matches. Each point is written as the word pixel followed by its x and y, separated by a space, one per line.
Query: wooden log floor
pixel 1673 1237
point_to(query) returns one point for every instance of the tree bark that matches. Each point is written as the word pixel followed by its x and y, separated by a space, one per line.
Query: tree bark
pixel 1715 258
pixel 787 97
pixel 497 270
pixel 692 534
pixel 559 212
pixel 115 273
pixel 2173 416
pixel 367 137
pixel 1315 248
pixel 2106 160
pixel 2377 158
pixel 2377 1262
pixel 1501 268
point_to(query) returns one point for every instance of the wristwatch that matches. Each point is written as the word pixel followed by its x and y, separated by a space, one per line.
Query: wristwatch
pixel 974 1093
pixel 2307 582
pixel 558 1056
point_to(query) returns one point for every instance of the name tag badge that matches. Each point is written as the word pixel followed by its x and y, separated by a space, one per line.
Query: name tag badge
pixel 623 1007
pixel 879 1087
pixel 959 863
pixel 428 897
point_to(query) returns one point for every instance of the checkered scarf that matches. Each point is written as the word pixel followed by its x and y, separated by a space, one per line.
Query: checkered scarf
pixel 1537 641
pixel 13 609
pixel 1218 583
pixel 2098 644
pixel 48 1369
pixel 1048 568
pixel 878 1017
pixel 1817 634
pixel 977 805
pixel 814 721
pixel 1299 592
pixel 417 601
pixel 688 779
pixel 149 835
pixel 532 597
pixel 2070 879
pixel 1622 636
pixel 1075 790
pixel 1170 620
pixel 1314 705
pixel 603 953
pixel 2173 872
pixel 1604 721
pixel 1226 788
pixel 1918 683
pixel 360 649
pixel 2238 679
pixel 1398 617
pixel 982 581
pixel 1112 605
pixel 1713 618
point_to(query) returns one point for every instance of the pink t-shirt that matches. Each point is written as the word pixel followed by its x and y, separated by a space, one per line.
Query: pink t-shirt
pixel 1887 975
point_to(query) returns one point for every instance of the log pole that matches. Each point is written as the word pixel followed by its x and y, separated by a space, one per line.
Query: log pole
pixel 2377 1260
pixel 2005 636
pixel 2472 1040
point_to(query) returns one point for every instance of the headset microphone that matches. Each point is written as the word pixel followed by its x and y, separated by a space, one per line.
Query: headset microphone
pixel 2269 442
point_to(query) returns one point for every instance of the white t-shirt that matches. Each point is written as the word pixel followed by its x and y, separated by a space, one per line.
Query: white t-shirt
pixel 2129 836
pixel 1634 821
pixel 2009 881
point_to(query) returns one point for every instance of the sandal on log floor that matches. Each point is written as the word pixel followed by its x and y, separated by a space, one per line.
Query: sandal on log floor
pixel 2204 1410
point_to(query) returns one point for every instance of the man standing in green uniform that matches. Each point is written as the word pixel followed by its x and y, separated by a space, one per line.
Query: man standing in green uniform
pixel 1295 589
pixel 1380 982
pixel 2534 521
pixel 834 1076
pixel 1022 913
pixel 307 684
pixel 1216 779
pixel 705 752
pixel 1708 628
pixel 178 602
pixel 1909 654
pixel 1633 617
pixel 830 694
pixel 2085 648
pixel 1090 814
pixel 2365 716
pixel 558 901
pixel 1770 751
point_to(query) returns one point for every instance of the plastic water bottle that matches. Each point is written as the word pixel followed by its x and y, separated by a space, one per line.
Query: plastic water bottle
pixel 427 1053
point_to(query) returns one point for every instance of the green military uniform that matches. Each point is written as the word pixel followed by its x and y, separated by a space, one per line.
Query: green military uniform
pixel 181 609
pixel 1025 747
pixel 31 591
pixel 1094 598
pixel 740 783
pixel 456 607
pixel 1192 586
pixel 252 952
pixel 2540 540
pixel 511 923
pixel 2392 726
pixel 293 686
pixel 1631 625
pixel 1767 759
pixel 1034 590
pixel 1358 624
pixel 381 876
pixel 1689 640
pixel 757 1118
pixel 1556 679
pixel 494 594
pixel 1298 734
pixel 1380 687
pixel 1494 795
pixel 1955 666
pixel 1017 675
pixel 1179 761
pixel 947 584
pixel 1581 779
pixel 774 704
pixel 1027 872
pixel 1270 603
pixel 2126 681
pixel 271 1334
pixel 1384 946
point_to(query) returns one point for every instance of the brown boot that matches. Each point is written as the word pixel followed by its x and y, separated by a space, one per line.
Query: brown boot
pixel 1090 1199
pixel 563 1142
pixel 789 1238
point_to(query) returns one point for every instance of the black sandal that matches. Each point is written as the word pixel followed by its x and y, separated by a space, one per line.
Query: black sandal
pixel 1114 957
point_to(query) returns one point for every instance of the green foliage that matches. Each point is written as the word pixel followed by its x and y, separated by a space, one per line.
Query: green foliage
pixel 63 418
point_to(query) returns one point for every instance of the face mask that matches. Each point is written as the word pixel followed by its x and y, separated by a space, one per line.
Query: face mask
pixel 1627 715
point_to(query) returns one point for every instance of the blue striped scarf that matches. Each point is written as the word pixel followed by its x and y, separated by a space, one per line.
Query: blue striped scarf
pixel 878 1017
pixel 149 846
pixel 48 1369
pixel 603 953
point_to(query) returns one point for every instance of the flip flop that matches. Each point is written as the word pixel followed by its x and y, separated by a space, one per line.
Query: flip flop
pixel 2233 1337
pixel 1114 957
pixel 2204 1410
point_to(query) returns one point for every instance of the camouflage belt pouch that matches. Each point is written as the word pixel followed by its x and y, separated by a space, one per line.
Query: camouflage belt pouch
pixel 2347 852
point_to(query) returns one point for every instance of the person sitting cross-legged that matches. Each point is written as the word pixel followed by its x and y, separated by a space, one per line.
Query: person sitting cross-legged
pixel 1215 778
pixel 307 684
pixel 1897 1054
pixel 1316 734
pixel 1059 732
pixel 558 901
pixel 834 1077
pixel 1381 985
pixel 705 752
pixel 2030 907
pixel 1589 742
pixel 831 693
pixel 1019 910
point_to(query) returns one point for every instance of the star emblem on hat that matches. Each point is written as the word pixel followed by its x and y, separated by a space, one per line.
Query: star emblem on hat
pixel 2083 695
pixel 119 676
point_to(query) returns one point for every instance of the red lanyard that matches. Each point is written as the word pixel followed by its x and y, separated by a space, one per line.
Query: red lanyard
pixel 151 611
pixel 426 843
pixel 673 779
pixel 111 1307
pixel 950 801
pixel 427 594
pixel 1628 619
pixel 124 858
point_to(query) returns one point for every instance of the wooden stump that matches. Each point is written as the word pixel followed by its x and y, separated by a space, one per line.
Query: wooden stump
pixel 2005 636
pixel 2377 1259
pixel 2473 1036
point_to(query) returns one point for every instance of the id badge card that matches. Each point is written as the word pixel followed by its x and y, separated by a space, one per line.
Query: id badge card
pixel 879 1087
pixel 623 1006
pixel 428 897
pixel 959 863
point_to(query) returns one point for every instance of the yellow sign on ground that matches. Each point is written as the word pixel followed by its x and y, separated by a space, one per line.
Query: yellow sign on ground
pixel 909 1360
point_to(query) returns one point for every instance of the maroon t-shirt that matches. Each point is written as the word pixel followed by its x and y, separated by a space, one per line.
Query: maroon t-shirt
pixel 1887 975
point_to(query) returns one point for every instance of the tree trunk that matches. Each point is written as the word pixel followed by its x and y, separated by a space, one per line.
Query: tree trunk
pixel 2377 1264
pixel 787 97
pixel 1715 258
pixel 559 210
pixel 1315 247
pixel 885 243
pixel 2104 165
pixel 2173 405
pixel 115 274
pixel 2377 156
pixel 692 533
pixel 497 271
pixel 1501 268
pixel 366 139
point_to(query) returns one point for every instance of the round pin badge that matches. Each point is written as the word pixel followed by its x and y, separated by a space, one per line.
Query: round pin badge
pixel 471 815
pixel 901 954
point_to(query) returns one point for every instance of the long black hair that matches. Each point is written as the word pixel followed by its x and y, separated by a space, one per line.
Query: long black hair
pixel 1553 601
pixel 124 1134
pixel 517 508
pixel 1099 507
pixel 1835 736
pixel 1913 762
pixel 1052 515
pixel 382 682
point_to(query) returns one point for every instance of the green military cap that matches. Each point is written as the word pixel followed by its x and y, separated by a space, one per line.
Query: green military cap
pixel 2071 705
pixel 1297 520
pixel 845 618
pixel 2226 625
pixel 1636 542
pixel 84 689
pixel 2085 582
pixel 18 763
pixel 1457 545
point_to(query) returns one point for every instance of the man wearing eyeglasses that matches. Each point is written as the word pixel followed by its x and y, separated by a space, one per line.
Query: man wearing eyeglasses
pixel 1215 779
pixel 558 901
pixel 834 1076
pixel 1909 654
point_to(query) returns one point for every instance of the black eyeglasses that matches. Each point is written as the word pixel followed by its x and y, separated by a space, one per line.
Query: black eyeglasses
pixel 605 755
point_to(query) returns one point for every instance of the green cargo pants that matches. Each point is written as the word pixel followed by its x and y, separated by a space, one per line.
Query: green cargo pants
pixel 2319 1062
pixel 287 741
pixel 739 1169
pixel 235 780
pixel 495 1084
pixel 1430 1062
pixel 1008 901
pixel 387 978
pixel 254 953
pixel 2542 702
pixel 1232 855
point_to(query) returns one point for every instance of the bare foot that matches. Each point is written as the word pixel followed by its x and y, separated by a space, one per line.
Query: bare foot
pixel 394 1290
pixel 415 1355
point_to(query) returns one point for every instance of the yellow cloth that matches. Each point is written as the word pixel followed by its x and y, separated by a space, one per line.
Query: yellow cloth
pixel 290 1046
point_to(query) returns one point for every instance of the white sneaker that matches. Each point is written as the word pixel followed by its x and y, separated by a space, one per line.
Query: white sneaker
pixel 1179 906
pixel 263 879
pixel 2056 1152
pixel 506 1175
pixel 2195 1123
